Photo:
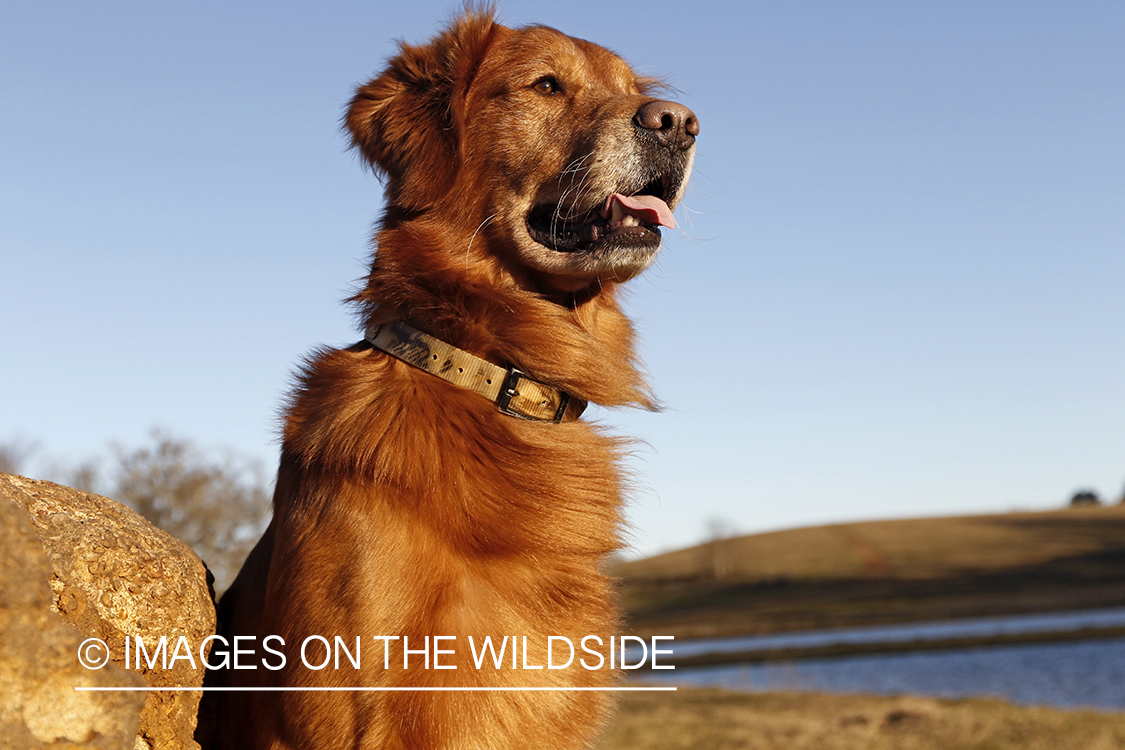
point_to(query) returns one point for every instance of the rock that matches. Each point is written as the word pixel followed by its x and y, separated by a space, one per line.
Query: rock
pixel 111 575
pixel 39 706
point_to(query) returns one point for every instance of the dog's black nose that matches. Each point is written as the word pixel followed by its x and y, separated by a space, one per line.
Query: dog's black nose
pixel 674 124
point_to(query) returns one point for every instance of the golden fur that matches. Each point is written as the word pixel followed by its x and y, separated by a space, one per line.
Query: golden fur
pixel 407 506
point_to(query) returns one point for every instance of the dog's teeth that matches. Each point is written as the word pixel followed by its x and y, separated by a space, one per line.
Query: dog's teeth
pixel 620 217
pixel 618 212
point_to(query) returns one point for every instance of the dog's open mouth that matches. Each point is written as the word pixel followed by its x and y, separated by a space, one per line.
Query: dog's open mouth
pixel 621 219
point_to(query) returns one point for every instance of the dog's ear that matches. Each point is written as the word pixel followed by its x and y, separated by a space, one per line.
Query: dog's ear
pixel 405 121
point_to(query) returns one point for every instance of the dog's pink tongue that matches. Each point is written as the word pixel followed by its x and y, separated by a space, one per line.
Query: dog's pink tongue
pixel 646 208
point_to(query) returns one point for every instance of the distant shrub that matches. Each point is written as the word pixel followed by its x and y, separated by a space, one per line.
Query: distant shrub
pixel 1085 499
pixel 218 507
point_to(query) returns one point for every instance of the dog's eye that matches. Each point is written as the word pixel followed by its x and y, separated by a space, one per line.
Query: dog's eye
pixel 546 85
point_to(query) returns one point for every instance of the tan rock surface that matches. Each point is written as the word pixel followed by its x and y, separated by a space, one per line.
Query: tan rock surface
pixel 111 575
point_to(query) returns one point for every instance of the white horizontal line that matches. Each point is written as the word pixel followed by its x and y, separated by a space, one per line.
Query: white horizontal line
pixel 366 689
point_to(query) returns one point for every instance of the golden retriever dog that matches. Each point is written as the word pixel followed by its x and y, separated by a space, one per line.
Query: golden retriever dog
pixel 437 484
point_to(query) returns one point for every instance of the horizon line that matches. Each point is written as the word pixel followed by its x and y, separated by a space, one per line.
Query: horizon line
pixel 369 689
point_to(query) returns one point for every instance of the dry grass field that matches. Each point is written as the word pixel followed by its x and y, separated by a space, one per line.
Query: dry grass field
pixel 717 720
pixel 881 571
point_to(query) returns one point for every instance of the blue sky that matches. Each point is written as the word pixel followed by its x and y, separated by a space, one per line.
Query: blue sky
pixel 897 289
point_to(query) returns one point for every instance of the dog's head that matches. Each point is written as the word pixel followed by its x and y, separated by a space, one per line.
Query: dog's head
pixel 547 151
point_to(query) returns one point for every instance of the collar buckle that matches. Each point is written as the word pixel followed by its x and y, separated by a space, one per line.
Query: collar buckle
pixel 510 390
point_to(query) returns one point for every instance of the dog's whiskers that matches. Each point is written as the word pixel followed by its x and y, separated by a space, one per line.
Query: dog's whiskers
pixel 471 239
pixel 565 210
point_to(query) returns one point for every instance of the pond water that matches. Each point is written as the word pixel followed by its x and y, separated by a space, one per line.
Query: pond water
pixel 1088 673
pixel 1051 622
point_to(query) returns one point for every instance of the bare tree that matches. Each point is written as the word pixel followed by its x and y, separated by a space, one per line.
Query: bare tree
pixel 86 476
pixel 13 454
pixel 718 555
pixel 9 461
pixel 218 508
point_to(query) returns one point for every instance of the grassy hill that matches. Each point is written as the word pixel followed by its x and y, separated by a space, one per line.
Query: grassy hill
pixel 881 572
pixel 717 720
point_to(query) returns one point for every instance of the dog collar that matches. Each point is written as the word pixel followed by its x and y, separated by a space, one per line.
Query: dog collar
pixel 513 392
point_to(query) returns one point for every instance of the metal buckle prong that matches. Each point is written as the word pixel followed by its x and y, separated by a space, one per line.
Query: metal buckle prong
pixel 508 391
